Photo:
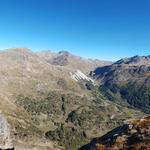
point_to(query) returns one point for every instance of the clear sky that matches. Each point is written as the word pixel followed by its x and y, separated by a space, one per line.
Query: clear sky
pixel 103 29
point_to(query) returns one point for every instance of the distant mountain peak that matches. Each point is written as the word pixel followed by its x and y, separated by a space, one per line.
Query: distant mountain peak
pixel 63 52
pixel 71 61
pixel 135 60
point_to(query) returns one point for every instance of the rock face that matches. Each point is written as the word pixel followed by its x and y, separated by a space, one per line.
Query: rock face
pixel 5 140
pixel 135 135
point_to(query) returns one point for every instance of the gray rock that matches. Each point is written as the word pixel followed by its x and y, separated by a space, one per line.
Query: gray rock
pixel 5 140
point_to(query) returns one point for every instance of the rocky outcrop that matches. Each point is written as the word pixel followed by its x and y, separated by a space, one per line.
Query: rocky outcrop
pixel 135 135
pixel 5 140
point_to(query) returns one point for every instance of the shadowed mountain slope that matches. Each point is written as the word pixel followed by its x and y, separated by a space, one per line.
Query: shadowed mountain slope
pixel 127 80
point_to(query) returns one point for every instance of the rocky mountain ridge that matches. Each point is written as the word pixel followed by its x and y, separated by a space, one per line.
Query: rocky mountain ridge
pixel 135 61
pixel 64 58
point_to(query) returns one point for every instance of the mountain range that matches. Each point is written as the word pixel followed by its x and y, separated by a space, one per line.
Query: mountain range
pixel 66 59
pixel 63 101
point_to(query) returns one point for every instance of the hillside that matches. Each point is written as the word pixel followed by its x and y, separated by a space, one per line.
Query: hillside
pixel 54 106
pixel 134 135
pixel 126 81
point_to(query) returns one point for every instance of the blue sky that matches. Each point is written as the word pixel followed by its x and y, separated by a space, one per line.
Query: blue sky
pixel 103 29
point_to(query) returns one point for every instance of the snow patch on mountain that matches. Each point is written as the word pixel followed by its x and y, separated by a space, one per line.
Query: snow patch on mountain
pixel 77 75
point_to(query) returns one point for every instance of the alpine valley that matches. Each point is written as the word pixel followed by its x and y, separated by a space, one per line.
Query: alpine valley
pixel 59 101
